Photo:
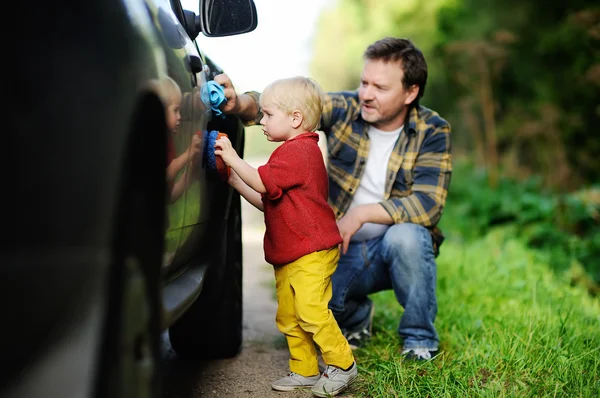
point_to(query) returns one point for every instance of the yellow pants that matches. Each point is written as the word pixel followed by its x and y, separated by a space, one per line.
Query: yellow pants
pixel 303 315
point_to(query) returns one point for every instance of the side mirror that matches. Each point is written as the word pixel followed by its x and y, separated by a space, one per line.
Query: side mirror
pixel 192 24
pixel 227 17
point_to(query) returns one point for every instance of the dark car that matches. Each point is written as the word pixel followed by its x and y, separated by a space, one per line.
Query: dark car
pixel 116 228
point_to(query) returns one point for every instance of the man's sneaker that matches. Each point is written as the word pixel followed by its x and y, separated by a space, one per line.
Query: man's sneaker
pixel 358 338
pixel 418 354
pixel 294 381
pixel 334 380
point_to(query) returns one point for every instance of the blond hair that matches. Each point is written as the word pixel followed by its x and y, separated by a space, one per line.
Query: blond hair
pixel 299 93
pixel 167 89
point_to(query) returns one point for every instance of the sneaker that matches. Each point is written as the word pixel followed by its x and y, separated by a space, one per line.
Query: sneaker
pixel 294 381
pixel 334 380
pixel 418 354
pixel 358 338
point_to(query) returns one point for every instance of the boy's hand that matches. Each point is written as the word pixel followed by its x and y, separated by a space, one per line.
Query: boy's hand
pixel 225 150
pixel 195 148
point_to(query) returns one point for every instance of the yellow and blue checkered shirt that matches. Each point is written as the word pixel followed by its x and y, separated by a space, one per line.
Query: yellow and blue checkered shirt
pixel 419 169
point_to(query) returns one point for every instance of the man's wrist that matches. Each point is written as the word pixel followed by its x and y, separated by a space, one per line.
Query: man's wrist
pixel 247 107
pixel 358 213
pixel 371 213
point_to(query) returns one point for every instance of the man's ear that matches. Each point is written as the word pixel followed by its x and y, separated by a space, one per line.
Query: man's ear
pixel 297 119
pixel 413 91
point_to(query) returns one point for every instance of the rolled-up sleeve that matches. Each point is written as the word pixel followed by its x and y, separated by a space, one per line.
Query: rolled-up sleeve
pixel 253 122
pixel 432 172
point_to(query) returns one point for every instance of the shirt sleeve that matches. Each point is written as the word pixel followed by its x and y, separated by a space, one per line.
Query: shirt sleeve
pixel 336 106
pixel 432 172
pixel 253 122
pixel 283 171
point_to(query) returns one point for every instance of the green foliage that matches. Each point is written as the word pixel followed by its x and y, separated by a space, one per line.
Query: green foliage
pixel 346 30
pixel 544 59
pixel 565 227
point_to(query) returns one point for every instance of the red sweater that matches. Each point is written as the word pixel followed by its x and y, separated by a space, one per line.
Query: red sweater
pixel 298 218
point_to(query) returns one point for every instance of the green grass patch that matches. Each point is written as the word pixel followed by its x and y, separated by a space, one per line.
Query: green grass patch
pixel 509 326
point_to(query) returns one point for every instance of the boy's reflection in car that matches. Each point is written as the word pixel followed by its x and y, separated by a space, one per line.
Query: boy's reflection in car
pixel 171 96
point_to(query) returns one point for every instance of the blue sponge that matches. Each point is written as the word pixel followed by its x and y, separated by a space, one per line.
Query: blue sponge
pixel 212 93
pixel 212 161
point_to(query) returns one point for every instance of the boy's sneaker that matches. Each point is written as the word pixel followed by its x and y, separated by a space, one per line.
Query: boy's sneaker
pixel 294 381
pixel 358 338
pixel 418 354
pixel 334 380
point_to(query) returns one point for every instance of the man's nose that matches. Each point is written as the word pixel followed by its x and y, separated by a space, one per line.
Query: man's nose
pixel 367 93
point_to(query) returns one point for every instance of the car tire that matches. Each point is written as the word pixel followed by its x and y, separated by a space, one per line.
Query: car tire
pixel 129 355
pixel 212 327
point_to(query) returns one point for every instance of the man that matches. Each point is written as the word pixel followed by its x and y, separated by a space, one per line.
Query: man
pixel 389 171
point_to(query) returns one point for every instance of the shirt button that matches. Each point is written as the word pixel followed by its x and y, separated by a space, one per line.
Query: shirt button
pixel 350 190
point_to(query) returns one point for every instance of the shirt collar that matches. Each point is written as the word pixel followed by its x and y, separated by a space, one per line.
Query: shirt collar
pixel 413 120
pixel 306 135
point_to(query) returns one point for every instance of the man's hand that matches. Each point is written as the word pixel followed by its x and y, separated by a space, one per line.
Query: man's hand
pixel 225 150
pixel 244 105
pixel 232 104
pixel 348 225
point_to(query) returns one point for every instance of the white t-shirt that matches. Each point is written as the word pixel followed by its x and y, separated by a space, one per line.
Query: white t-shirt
pixel 372 184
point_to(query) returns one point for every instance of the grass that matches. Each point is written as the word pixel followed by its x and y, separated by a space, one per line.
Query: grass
pixel 508 326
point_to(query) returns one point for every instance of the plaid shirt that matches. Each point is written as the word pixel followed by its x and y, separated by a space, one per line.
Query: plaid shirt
pixel 419 168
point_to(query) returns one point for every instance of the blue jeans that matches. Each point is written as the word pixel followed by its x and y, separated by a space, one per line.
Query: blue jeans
pixel 403 260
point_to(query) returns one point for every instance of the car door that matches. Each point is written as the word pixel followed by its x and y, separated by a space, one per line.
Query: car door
pixel 200 193
pixel 186 118
pixel 196 196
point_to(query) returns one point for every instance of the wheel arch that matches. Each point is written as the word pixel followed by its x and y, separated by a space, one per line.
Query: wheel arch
pixel 138 236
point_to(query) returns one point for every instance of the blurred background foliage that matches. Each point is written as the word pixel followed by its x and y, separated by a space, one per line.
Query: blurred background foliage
pixel 519 83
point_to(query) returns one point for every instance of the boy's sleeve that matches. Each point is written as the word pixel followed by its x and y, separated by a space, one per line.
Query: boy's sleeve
pixel 282 172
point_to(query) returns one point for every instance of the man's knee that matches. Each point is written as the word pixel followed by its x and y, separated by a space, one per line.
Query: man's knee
pixel 407 240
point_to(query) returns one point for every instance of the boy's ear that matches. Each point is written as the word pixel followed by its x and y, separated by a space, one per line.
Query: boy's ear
pixel 297 119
